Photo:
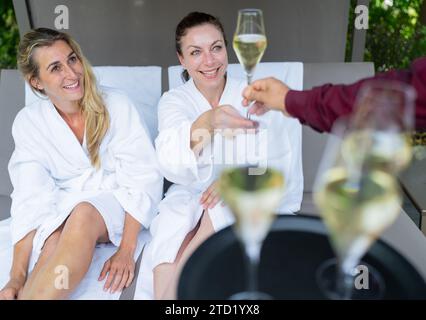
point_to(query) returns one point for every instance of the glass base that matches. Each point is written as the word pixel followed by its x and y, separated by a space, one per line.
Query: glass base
pixel 366 284
pixel 250 295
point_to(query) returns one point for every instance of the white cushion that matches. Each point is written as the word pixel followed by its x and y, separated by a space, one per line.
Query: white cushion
pixel 289 72
pixel 141 84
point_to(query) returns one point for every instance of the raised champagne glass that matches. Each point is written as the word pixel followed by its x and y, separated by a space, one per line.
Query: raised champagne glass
pixel 249 40
pixel 253 200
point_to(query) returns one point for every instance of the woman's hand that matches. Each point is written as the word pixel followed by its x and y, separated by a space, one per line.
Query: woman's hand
pixel 227 117
pixel 221 117
pixel 211 197
pixel 12 289
pixel 120 269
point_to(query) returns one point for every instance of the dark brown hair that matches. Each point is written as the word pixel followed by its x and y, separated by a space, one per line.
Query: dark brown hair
pixel 191 20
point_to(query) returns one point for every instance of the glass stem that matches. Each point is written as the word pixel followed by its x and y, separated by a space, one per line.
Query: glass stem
pixel 249 79
pixel 345 280
pixel 253 256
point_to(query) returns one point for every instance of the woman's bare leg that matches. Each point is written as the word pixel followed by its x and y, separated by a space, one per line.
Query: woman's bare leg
pixel 166 275
pixel 72 257
pixel 46 253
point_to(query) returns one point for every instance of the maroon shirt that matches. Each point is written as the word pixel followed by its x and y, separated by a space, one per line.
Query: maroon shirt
pixel 321 106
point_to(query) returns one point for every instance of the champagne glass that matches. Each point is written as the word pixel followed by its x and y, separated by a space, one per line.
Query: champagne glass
pixel 356 190
pixel 253 200
pixel 381 126
pixel 357 203
pixel 249 40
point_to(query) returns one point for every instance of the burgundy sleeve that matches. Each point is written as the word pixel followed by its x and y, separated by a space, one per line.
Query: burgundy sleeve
pixel 321 106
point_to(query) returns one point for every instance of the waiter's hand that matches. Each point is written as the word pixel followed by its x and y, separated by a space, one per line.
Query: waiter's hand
pixel 268 94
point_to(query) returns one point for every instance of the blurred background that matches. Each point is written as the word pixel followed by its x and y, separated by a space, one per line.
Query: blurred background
pixel 396 34
pixel 141 32
pixel 325 30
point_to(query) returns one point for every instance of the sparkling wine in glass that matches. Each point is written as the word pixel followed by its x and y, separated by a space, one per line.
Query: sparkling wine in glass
pixel 253 200
pixel 356 210
pixel 381 126
pixel 249 40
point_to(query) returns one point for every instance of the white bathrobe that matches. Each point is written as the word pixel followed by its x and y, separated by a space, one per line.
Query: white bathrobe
pixel 51 171
pixel 278 146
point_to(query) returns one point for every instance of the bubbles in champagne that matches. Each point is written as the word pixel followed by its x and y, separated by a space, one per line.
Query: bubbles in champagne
pixel 249 49
pixel 356 214
pixel 253 200
pixel 389 151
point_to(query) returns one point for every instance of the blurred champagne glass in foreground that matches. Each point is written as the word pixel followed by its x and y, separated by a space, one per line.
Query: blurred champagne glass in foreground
pixel 356 207
pixel 381 127
pixel 356 189
pixel 253 200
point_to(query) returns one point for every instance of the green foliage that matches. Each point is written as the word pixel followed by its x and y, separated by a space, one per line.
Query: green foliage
pixel 395 36
pixel 350 34
pixel 9 35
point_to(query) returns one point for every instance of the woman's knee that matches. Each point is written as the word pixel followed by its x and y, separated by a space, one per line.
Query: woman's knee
pixel 85 218
pixel 84 207
pixel 84 213
pixel 164 268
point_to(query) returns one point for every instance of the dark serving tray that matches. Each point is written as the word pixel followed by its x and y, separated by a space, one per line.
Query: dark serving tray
pixel 291 255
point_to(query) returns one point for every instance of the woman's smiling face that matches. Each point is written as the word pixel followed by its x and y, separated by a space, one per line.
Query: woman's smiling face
pixel 204 56
pixel 60 74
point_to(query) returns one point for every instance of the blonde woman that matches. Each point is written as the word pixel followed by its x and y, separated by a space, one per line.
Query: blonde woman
pixel 83 171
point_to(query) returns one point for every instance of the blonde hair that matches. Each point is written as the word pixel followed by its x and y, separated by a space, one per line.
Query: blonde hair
pixel 95 113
